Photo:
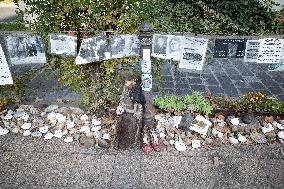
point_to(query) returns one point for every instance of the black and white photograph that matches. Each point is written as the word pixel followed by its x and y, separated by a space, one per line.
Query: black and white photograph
pixel 159 47
pixel 251 52
pixel 124 46
pixel 63 45
pixel 193 54
pixel 93 49
pixel 270 50
pixel 5 74
pixel 229 48
pixel 174 47
pixel 25 50
pixel 146 82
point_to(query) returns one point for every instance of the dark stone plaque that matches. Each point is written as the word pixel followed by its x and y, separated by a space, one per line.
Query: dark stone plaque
pixel 229 48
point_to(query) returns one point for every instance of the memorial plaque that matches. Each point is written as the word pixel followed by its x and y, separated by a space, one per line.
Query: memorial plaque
pixel 5 74
pixel 174 47
pixel 93 49
pixel 229 48
pixel 124 46
pixel 24 49
pixel 63 45
pixel 252 49
pixel 280 65
pixel 159 47
pixel 270 50
pixel 193 54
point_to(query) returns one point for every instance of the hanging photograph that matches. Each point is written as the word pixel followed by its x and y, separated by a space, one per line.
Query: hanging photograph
pixel 229 48
pixel 251 52
pixel 25 50
pixel 174 47
pixel 145 66
pixel 270 50
pixel 5 74
pixel 193 54
pixel 124 46
pixel 93 49
pixel 146 82
pixel 159 47
pixel 63 45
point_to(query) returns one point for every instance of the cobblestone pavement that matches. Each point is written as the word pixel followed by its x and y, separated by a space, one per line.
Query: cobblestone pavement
pixel 29 163
pixel 231 77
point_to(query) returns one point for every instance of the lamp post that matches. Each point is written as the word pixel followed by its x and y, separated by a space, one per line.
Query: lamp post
pixel 145 37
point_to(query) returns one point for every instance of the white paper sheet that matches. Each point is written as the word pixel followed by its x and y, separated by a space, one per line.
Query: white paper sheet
pixel 146 82
pixel 270 50
pixel 280 65
pixel 193 54
pixel 63 44
pixel 174 47
pixel 5 74
pixel 159 47
pixel 251 52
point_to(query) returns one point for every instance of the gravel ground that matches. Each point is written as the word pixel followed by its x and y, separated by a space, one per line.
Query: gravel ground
pixel 29 163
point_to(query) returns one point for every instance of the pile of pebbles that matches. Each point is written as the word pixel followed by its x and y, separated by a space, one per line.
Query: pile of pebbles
pixel 69 124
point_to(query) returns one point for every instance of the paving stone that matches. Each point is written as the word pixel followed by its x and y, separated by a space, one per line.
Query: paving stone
pixel 216 90
pixel 276 90
pixel 167 85
pixel 235 77
pixel 210 79
pixel 195 81
pixel 265 91
pixel 231 91
pixel 182 86
pixel 197 75
pixel 167 78
pixel 224 80
pixel 166 92
pixel 280 97
pixel 240 84
pixel 200 88
pixel 257 85
pixel 269 83
pixel 244 90
pixel 183 91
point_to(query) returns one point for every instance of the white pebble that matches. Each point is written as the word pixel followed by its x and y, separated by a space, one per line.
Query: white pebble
pixel 162 135
pixel 96 128
pixel 180 146
pixel 242 138
pixel 196 143
pixel 25 116
pixel 60 118
pixel 70 124
pixel 280 126
pixel 3 131
pixel 27 133
pixel 217 133
pixel 84 117
pixel 233 140
pixel 235 121
pixel 119 110
pixel 96 122
pixel 172 142
pixel 267 129
pixel 15 130
pixel 281 135
pixel 85 129
pixel 51 108
pixel 58 133
pixel 43 129
pixel 48 136
pixel 106 136
pixel 26 126
pixel 68 139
